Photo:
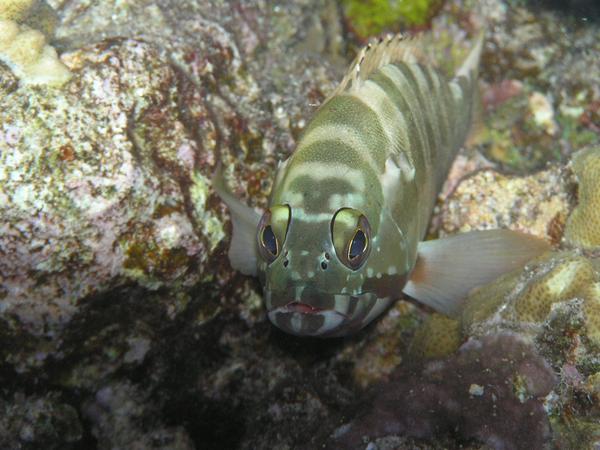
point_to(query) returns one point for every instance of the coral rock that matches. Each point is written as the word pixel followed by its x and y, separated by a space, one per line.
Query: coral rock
pixel 438 399
pixel 438 336
pixel 25 51
pixel 583 225
pixel 36 14
pixel 98 188
pixel 25 27
pixel 528 296
pixel 488 200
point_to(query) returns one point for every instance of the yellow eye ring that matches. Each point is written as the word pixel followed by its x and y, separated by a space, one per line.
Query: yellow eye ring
pixel 272 231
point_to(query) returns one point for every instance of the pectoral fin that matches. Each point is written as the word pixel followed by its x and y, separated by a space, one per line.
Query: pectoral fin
pixel 242 253
pixel 447 269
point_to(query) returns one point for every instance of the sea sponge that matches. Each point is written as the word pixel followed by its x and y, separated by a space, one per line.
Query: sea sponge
pixel 25 27
pixel 583 226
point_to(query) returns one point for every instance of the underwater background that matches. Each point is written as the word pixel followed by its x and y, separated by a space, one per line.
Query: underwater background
pixel 122 325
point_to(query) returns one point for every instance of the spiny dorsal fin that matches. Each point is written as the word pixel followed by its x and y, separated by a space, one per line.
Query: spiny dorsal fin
pixel 470 66
pixel 387 50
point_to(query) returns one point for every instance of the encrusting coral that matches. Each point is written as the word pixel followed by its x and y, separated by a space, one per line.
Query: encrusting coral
pixel 583 226
pixel 36 14
pixel 526 297
pixel 25 27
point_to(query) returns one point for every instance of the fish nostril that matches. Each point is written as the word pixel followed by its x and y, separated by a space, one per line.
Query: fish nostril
pixel 327 257
pixel 285 263
pixel 323 265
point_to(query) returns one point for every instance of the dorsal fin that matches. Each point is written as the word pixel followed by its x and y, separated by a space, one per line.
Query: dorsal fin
pixel 386 50
pixel 470 66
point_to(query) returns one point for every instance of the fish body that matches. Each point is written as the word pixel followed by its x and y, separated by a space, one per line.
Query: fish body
pixel 350 207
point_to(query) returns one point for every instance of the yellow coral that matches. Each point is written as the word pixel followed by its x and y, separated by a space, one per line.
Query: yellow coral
pixel 484 301
pixel 16 10
pixel 591 307
pixel 563 281
pixel 438 336
pixel 25 26
pixel 583 226
pixel 528 296
pixel 36 14
pixel 25 51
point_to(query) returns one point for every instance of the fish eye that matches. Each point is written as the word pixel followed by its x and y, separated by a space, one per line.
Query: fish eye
pixel 269 241
pixel 350 232
pixel 358 245
pixel 272 231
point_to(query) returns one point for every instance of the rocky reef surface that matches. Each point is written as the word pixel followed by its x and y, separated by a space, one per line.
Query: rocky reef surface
pixel 121 323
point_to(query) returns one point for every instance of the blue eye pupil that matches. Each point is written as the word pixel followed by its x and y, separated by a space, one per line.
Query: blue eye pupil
pixel 269 240
pixel 358 245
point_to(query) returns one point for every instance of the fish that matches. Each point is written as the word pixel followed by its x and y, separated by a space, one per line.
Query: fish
pixel 343 234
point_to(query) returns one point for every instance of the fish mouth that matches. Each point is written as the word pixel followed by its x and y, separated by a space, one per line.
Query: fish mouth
pixel 300 319
pixel 302 308
pixel 335 315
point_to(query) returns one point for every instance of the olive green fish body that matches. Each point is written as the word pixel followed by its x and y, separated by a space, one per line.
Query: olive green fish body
pixel 382 149
pixel 348 211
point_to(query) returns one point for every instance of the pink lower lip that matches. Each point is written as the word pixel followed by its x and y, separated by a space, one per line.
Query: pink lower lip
pixel 302 308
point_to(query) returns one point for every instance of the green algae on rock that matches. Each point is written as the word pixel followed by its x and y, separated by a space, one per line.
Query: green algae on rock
pixel 371 17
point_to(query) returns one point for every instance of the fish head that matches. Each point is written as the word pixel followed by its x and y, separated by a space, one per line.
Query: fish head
pixel 326 275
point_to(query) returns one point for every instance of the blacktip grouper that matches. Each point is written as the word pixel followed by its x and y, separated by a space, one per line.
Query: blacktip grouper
pixel 343 234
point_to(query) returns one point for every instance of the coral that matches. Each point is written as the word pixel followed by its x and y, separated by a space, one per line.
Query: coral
pixel 16 10
pixel 35 14
pixel 25 26
pixel 583 226
pixel 110 212
pixel 591 295
pixel 529 296
pixel 488 199
pixel 381 351
pixel 564 278
pixel 492 390
pixel 25 51
pixel 438 336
